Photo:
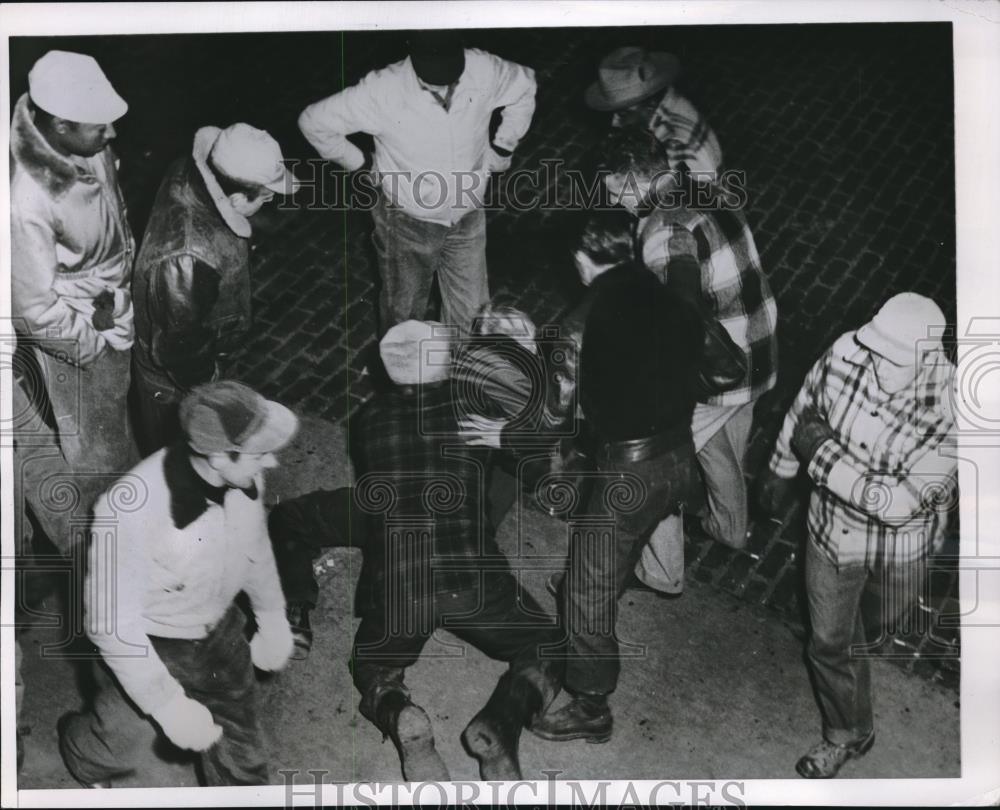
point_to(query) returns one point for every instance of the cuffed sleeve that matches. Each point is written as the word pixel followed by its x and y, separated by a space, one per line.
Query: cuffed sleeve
pixel 783 461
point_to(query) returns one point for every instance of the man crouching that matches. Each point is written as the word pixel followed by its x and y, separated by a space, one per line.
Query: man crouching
pixel 174 542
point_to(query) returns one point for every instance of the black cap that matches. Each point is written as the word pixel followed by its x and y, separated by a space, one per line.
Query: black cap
pixel 438 57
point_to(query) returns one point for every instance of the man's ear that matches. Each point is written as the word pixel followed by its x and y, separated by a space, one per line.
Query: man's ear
pixel 238 199
pixel 61 125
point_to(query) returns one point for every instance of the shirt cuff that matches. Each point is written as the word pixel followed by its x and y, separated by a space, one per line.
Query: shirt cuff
pixel 823 461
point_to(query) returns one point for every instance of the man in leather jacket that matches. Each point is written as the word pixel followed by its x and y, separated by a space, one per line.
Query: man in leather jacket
pixel 191 285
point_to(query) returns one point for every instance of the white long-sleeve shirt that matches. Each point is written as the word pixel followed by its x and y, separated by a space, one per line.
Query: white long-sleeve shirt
pixel 431 162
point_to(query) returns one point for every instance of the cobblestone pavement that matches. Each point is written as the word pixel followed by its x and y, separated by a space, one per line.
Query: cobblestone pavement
pixel 844 132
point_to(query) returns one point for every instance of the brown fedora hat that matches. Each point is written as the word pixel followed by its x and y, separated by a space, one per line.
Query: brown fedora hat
pixel 628 75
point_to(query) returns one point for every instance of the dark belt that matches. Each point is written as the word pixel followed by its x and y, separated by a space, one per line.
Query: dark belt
pixel 632 450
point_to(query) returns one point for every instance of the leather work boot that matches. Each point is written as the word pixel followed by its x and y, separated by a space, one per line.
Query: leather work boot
pixel 409 728
pixel 826 759
pixel 583 718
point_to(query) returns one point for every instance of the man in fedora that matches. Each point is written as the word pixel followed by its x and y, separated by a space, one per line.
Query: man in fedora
pixel 174 542
pixel 873 429
pixel 192 277
pixel 71 263
pixel 630 84
pixel 430 118
pixel 431 561
pixel 707 254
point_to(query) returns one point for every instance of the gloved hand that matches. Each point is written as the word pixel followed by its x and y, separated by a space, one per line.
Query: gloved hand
pixel 810 432
pixel 272 644
pixel 188 723
pixel 774 492
pixel 104 311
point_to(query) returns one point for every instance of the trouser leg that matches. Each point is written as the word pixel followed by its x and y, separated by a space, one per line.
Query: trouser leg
pixel 156 410
pixel 722 462
pixel 462 272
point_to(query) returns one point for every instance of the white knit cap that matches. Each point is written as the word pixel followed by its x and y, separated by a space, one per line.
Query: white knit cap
pixel 416 353
pixel 73 86
pixel 903 329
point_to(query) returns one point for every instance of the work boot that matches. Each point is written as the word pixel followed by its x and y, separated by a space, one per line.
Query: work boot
pixel 409 728
pixel 585 717
pixel 302 634
pixel 826 759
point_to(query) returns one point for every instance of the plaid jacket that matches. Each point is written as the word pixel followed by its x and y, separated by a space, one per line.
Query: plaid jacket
pixel 425 491
pixel 686 136
pixel 885 481
pixel 732 283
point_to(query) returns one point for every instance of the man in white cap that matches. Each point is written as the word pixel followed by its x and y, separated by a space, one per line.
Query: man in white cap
pixel 871 427
pixel 71 263
pixel 175 541
pixel 431 561
pixel 192 278
pixel 430 117
pixel 629 84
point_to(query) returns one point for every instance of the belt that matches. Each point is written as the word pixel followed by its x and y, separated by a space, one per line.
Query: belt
pixel 632 450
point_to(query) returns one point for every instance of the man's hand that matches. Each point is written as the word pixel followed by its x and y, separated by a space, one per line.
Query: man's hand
pixel 774 492
pixel 272 644
pixel 188 723
pixel 480 431
pixel 810 432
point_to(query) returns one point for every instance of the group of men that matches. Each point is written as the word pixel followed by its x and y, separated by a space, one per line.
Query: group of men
pixel 656 376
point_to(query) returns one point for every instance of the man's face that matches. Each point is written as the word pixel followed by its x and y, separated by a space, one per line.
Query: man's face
pixel 627 190
pixel 893 377
pixel 84 140
pixel 637 115
pixel 241 471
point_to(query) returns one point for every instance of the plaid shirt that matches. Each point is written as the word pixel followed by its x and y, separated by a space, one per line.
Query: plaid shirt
pixel 424 488
pixel 732 282
pixel 686 136
pixel 884 482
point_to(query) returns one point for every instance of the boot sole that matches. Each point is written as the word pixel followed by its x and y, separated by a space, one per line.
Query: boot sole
pixel 852 754
pixel 595 738
pixel 496 761
pixel 418 756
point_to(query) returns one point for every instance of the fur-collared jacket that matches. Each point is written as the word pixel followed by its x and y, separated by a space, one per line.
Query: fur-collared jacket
pixel 70 241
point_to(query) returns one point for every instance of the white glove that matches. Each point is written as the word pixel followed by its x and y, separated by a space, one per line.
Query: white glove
pixel 272 644
pixel 188 723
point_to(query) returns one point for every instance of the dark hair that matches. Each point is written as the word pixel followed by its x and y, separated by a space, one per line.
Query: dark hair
pixel 608 237
pixel 635 150
pixel 230 185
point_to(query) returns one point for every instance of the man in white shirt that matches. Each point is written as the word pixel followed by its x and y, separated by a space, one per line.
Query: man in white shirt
pixel 430 118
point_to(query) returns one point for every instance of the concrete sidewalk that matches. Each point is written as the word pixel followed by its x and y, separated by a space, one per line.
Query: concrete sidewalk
pixel 717 688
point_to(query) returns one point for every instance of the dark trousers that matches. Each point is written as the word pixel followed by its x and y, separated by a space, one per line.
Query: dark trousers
pixel 625 503
pixel 156 409
pixel 500 619
pixel 850 607
pixel 106 742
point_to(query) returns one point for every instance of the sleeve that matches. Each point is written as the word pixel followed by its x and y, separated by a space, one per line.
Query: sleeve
pixel 116 577
pixel 890 498
pixel 181 296
pixel 262 584
pixel 667 249
pixel 45 313
pixel 514 90
pixel 327 123
pixel 784 462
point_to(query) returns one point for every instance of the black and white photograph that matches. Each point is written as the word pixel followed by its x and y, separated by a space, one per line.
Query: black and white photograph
pixel 500 402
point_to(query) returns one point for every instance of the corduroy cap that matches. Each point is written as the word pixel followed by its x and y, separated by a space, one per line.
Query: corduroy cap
pixel 225 416
pixel 416 353
pixel 904 325
pixel 73 86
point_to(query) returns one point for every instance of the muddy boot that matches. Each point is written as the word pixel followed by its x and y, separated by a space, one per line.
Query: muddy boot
pixel 409 728
pixel 494 734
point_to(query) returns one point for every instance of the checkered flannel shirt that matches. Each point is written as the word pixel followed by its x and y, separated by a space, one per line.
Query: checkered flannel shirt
pixel 733 284
pixel 424 489
pixel 686 136
pixel 884 482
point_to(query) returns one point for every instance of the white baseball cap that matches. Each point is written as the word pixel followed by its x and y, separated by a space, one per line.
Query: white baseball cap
pixel 416 353
pixel 73 86
pixel 903 329
pixel 250 155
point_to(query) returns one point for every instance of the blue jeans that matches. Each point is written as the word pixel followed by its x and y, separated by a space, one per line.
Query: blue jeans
pixel 217 672
pixel 850 606
pixel 410 253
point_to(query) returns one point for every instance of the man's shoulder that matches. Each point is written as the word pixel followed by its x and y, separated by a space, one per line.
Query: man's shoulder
pixel 139 493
